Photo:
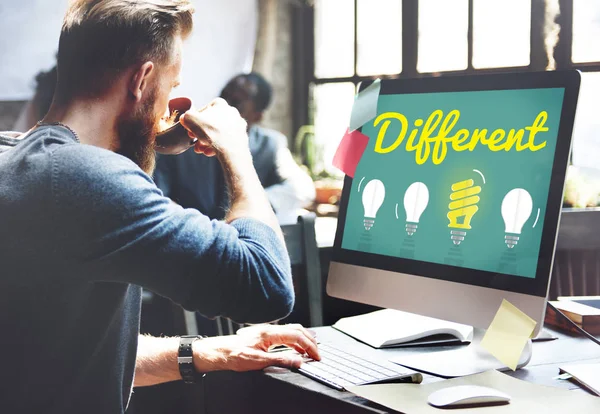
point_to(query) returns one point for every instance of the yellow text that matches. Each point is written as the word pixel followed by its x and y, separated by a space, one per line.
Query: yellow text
pixel 435 136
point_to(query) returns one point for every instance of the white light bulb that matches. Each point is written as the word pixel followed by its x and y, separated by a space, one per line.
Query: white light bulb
pixel 416 199
pixel 373 196
pixel 516 209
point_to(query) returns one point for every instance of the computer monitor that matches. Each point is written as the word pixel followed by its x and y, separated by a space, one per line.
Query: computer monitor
pixel 455 203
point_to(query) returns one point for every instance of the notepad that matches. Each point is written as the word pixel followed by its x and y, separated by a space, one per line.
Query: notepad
pixel 587 375
pixel 586 316
pixel 391 328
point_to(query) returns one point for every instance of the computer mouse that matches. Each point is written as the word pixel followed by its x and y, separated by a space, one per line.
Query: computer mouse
pixel 467 395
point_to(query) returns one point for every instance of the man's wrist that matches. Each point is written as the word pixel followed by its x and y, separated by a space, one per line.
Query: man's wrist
pixel 207 356
pixel 234 160
pixel 240 174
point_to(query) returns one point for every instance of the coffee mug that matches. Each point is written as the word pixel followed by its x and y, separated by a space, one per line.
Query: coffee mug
pixel 175 139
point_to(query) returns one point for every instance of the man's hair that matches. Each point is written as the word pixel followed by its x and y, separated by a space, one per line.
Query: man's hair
pixel 102 38
pixel 261 93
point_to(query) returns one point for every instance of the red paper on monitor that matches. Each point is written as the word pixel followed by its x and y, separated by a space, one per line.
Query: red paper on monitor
pixel 350 151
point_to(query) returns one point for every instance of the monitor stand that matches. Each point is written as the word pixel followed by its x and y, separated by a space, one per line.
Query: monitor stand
pixel 458 362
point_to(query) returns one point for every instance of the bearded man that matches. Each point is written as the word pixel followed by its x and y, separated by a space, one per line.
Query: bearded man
pixel 84 228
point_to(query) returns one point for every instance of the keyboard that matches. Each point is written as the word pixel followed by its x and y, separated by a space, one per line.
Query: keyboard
pixel 340 369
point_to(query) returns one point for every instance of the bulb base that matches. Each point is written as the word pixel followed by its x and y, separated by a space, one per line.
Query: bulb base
pixel 411 228
pixel 511 240
pixel 368 222
pixel 457 236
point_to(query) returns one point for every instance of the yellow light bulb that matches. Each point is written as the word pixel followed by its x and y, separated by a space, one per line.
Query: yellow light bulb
pixel 463 203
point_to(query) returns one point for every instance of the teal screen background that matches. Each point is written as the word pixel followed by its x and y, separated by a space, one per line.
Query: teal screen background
pixel 484 245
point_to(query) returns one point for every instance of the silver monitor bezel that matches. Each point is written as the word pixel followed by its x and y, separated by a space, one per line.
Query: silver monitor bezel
pixel 449 292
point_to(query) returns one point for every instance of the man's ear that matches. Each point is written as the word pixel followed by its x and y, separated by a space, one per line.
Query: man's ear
pixel 140 80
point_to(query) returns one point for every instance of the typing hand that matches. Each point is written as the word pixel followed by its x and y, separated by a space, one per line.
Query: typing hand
pixel 218 127
pixel 249 349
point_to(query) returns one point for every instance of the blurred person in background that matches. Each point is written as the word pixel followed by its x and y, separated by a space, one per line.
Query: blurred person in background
pixel 198 182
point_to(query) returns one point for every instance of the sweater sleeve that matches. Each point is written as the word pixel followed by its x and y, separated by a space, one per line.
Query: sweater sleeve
pixel 117 226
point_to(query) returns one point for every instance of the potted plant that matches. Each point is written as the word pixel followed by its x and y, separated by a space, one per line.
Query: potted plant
pixel 309 152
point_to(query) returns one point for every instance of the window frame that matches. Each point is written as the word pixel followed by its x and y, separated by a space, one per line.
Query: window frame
pixel 304 47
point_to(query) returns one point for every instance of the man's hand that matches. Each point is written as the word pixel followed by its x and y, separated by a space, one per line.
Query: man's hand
pixel 221 131
pixel 218 127
pixel 249 349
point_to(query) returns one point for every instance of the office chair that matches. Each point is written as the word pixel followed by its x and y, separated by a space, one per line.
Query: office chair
pixel 302 247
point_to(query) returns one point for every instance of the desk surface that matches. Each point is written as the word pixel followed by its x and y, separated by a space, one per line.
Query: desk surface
pixel 282 391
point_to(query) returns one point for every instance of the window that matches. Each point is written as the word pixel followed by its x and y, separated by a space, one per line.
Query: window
pixel 354 40
pixel 586 31
pixel 585 55
pixel 379 37
pixel 586 132
pixel 333 104
pixel 357 40
pixel 334 38
pixel 443 41
pixel 501 33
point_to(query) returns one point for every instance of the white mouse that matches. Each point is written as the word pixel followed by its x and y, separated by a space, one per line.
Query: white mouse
pixel 466 395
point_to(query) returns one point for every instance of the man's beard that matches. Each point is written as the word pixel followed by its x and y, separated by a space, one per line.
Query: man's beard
pixel 137 135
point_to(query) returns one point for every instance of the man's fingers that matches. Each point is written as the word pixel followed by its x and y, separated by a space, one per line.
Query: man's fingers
pixel 298 348
pixel 218 101
pixel 192 121
pixel 210 152
pixel 292 335
pixel 308 346
pixel 310 335
pixel 254 359
pixel 281 359
pixel 296 339
pixel 202 143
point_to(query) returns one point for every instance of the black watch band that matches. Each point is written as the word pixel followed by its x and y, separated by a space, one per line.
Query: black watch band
pixel 185 359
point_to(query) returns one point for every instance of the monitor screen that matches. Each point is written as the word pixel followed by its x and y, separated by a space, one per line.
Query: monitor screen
pixel 457 178
pixel 462 180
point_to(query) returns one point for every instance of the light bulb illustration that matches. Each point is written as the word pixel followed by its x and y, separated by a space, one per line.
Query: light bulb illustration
pixel 372 199
pixel 416 199
pixel 463 203
pixel 516 209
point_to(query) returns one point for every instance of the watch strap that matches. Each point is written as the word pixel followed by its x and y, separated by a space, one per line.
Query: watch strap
pixel 185 359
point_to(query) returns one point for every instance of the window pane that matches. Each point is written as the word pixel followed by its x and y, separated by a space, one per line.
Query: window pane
pixel 501 33
pixel 332 105
pixel 379 37
pixel 334 38
pixel 586 31
pixel 586 139
pixel 443 27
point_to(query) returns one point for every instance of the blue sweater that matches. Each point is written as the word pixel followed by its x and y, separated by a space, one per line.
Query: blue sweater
pixel 82 229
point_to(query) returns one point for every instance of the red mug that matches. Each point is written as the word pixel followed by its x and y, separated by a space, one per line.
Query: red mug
pixel 175 139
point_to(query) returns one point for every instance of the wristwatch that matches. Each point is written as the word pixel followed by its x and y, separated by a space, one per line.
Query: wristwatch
pixel 185 359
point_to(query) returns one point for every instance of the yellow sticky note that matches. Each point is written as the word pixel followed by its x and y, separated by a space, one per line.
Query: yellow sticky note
pixel 508 333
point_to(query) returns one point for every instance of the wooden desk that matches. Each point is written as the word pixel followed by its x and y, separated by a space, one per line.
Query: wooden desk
pixel 282 391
